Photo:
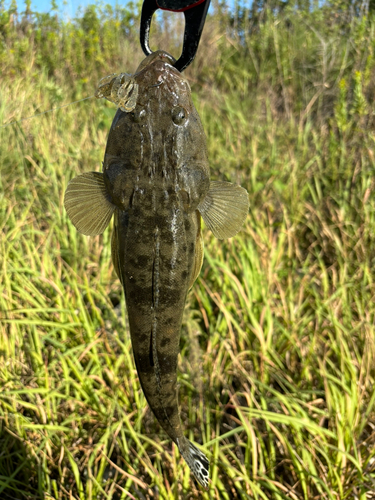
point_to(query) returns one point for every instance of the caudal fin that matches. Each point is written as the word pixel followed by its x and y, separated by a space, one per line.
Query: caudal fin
pixel 197 461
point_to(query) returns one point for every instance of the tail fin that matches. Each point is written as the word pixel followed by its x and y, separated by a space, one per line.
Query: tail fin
pixel 197 461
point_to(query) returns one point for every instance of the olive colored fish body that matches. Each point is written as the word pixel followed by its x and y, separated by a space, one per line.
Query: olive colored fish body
pixel 157 227
pixel 155 261
pixel 156 182
pixel 155 255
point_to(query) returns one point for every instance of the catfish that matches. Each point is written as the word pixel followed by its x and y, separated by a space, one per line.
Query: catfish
pixel 156 184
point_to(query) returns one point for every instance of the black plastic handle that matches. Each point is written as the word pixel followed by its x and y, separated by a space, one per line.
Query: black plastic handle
pixel 195 16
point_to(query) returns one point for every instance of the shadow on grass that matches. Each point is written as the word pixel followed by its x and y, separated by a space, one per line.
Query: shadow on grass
pixel 18 470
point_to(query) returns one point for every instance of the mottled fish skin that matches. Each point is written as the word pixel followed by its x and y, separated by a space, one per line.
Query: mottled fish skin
pixel 155 182
pixel 156 171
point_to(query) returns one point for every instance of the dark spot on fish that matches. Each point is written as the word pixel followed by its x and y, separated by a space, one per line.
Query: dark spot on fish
pixel 192 248
pixel 168 364
pixel 159 220
pixel 165 341
pixel 187 225
pixel 142 365
pixel 171 296
pixel 140 262
pixel 136 211
pixel 143 338
pixel 153 220
pixel 169 321
pixel 170 411
pixel 184 275
pixel 168 238
pixel 140 295
pixel 165 413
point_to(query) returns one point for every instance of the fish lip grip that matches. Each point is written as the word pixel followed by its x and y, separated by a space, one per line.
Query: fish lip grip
pixel 195 15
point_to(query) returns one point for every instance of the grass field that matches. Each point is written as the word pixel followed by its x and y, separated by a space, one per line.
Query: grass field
pixel 277 358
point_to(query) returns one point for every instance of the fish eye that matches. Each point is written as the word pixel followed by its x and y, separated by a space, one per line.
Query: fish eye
pixel 178 115
pixel 137 115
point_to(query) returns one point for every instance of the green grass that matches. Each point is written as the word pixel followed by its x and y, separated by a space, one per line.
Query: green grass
pixel 277 359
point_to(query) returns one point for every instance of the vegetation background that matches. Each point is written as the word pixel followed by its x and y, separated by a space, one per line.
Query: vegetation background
pixel 277 354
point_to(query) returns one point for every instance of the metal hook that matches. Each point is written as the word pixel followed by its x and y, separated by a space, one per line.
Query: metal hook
pixel 195 16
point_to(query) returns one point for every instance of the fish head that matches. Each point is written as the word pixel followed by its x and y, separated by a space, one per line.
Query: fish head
pixel 161 138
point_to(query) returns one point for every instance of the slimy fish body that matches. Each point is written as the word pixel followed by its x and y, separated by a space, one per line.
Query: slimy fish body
pixel 155 182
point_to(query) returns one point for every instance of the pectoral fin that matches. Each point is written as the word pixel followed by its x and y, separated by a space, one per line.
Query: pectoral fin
pixel 224 208
pixel 87 203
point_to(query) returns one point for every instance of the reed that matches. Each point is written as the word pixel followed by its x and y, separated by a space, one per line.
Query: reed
pixel 277 351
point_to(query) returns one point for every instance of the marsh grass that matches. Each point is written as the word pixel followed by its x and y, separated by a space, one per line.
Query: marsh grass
pixel 277 351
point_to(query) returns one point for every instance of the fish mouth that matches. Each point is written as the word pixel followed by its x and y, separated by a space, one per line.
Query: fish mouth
pixel 158 69
pixel 159 55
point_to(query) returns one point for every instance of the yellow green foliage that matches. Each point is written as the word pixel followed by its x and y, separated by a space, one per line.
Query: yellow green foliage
pixel 278 352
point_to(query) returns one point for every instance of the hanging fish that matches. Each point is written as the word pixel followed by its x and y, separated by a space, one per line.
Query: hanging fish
pixel 155 182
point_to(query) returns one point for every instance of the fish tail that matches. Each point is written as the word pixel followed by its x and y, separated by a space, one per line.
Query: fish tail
pixel 196 460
